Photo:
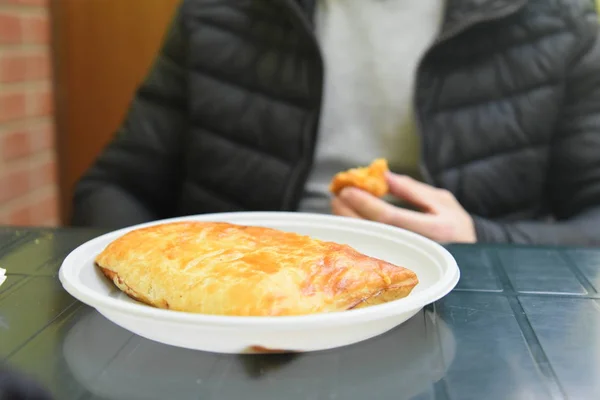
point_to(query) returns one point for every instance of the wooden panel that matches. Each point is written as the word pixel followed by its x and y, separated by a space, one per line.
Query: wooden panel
pixel 102 50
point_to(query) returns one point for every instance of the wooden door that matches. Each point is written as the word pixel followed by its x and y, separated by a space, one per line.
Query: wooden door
pixel 102 51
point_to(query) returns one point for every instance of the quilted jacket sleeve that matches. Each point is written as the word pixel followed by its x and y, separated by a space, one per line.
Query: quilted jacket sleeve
pixel 135 179
pixel 574 173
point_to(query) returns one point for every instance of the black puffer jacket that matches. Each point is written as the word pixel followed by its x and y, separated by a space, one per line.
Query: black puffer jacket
pixel 507 100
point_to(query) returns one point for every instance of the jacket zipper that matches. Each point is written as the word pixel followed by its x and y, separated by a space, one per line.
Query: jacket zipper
pixel 444 36
pixel 293 191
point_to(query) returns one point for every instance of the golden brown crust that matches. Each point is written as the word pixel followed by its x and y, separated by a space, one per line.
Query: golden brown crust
pixel 370 179
pixel 226 269
pixel 116 279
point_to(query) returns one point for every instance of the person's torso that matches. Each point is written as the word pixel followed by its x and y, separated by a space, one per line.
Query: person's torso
pixel 487 97
pixel 371 50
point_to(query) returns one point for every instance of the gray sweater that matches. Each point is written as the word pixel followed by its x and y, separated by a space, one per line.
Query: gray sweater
pixel 371 50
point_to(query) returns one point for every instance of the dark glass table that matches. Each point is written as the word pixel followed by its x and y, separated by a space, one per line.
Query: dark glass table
pixel 523 323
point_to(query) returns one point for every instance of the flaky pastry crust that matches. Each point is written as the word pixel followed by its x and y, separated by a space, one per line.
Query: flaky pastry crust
pixel 370 179
pixel 226 269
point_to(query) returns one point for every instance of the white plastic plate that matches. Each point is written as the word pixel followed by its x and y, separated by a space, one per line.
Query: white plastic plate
pixel 435 267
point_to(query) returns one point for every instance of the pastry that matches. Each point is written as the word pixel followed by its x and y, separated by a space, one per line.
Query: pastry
pixel 370 179
pixel 225 269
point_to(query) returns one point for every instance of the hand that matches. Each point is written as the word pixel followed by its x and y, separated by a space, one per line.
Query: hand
pixel 442 218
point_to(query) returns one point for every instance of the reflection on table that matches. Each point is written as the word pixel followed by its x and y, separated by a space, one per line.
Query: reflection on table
pixel 112 363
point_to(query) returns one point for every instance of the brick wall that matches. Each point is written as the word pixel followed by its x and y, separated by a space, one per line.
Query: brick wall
pixel 28 190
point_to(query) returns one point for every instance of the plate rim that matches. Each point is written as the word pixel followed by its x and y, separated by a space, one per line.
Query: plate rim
pixel 109 304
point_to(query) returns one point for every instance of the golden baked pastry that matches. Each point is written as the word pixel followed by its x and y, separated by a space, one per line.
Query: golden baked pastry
pixel 226 269
pixel 370 179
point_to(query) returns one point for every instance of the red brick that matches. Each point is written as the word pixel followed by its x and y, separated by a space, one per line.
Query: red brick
pixel 20 216
pixel 45 209
pixel 30 208
pixel 40 102
pixel 39 66
pixel 49 223
pixel 18 143
pixel 13 67
pixel 42 137
pixel 15 144
pixel 11 28
pixel 38 3
pixel 12 105
pixel 16 66
pixel 34 210
pixel 13 183
pixel 43 174
pixel 36 29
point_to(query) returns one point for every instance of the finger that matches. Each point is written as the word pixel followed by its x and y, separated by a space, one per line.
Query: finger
pixel 412 191
pixel 363 204
pixel 414 221
pixel 339 208
pixel 372 208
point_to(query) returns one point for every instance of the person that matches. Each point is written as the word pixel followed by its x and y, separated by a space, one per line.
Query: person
pixel 488 112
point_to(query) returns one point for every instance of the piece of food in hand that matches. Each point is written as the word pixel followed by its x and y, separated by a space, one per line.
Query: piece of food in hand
pixel 226 269
pixel 370 179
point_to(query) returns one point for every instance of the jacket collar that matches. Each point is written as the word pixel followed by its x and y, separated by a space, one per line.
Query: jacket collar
pixel 463 14
pixel 459 14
